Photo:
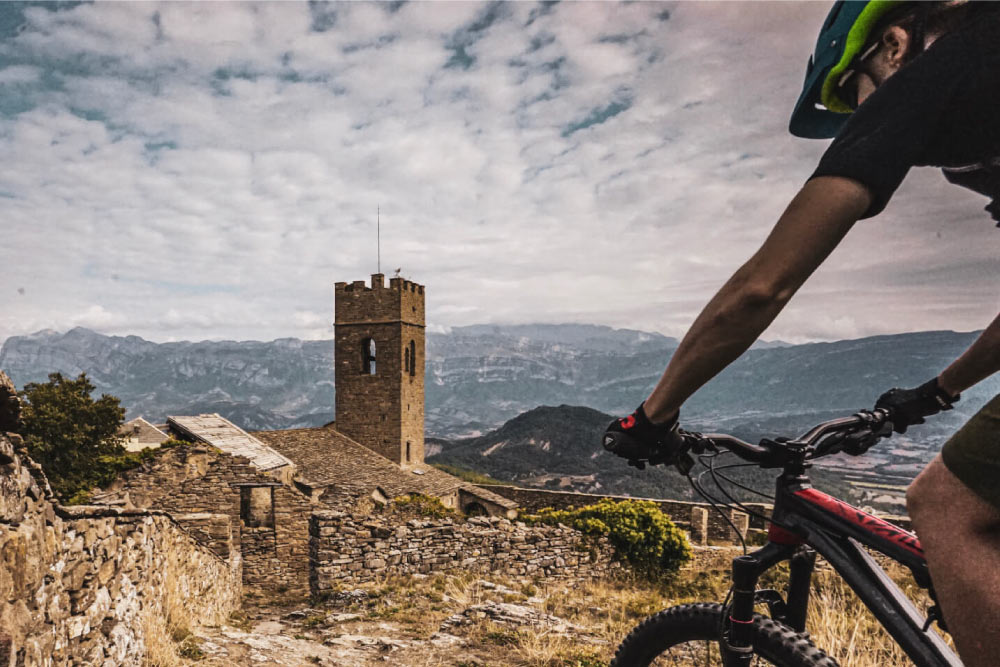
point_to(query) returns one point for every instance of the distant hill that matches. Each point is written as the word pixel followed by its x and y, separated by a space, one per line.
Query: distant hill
pixel 559 448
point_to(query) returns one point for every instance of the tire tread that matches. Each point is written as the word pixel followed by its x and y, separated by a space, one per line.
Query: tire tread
pixel 773 641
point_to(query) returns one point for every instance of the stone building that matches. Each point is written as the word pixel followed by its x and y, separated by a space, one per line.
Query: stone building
pixel 269 483
pixel 138 434
pixel 379 357
pixel 375 448
pixel 87 585
pixel 330 468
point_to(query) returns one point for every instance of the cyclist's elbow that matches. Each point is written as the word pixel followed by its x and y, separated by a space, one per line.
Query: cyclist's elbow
pixel 765 294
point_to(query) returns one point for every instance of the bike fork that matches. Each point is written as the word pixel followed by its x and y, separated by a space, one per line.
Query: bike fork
pixel 737 649
pixel 737 643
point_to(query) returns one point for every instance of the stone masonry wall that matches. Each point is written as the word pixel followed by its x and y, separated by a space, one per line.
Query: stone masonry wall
pixel 703 523
pixel 81 585
pixel 194 479
pixel 347 549
pixel 383 411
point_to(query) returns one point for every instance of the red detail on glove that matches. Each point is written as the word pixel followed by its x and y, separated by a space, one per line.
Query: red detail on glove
pixel 628 422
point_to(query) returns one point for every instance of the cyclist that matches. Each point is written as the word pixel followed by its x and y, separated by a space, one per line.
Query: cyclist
pixel 897 84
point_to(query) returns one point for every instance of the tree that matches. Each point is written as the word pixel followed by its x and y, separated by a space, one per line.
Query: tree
pixel 72 436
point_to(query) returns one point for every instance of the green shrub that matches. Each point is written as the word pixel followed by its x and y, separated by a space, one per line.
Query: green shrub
pixel 642 535
pixel 106 469
pixel 421 505
pixel 466 475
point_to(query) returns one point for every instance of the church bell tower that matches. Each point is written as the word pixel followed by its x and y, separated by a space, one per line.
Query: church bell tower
pixel 379 366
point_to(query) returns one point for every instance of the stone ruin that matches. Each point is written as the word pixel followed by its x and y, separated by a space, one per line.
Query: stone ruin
pixel 86 585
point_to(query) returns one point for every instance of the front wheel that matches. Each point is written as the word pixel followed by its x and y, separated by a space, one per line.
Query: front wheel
pixel 689 635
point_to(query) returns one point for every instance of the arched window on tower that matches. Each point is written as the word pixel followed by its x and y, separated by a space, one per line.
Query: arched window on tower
pixel 368 356
pixel 406 360
pixel 413 358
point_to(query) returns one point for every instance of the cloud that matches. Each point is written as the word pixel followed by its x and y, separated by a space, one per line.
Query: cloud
pixel 210 170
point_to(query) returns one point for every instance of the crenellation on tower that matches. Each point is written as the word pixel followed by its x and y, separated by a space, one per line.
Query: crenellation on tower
pixel 379 375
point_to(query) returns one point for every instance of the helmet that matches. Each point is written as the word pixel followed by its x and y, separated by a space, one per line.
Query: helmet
pixel 820 113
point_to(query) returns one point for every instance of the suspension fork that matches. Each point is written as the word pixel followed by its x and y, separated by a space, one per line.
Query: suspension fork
pixel 737 642
pixel 799 582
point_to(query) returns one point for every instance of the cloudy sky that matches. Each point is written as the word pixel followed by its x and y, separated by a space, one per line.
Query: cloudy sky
pixel 210 170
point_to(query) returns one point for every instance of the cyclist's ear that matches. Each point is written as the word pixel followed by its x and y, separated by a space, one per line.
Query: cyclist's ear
pixel 895 45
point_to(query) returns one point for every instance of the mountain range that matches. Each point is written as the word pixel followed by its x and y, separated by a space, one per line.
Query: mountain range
pixel 487 385
pixel 478 377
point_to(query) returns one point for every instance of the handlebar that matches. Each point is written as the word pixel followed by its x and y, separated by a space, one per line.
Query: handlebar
pixel 854 435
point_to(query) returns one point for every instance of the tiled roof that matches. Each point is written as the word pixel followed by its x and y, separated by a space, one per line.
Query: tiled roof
pixel 326 457
pixel 230 438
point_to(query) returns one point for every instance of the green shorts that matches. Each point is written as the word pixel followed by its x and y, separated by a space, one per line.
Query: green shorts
pixel 973 453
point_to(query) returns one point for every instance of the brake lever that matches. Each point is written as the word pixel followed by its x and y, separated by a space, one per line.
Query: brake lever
pixel 829 445
pixel 684 463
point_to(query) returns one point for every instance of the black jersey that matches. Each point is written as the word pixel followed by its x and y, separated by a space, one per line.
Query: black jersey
pixel 942 109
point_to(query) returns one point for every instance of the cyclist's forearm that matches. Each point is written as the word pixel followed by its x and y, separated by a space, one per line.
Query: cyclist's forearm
pixel 728 325
pixel 980 361
pixel 810 228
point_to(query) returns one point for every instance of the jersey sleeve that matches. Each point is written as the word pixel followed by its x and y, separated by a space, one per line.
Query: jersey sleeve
pixel 889 133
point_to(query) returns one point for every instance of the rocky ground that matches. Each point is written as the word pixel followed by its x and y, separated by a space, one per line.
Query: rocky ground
pixel 453 620
pixel 415 621
pixel 472 620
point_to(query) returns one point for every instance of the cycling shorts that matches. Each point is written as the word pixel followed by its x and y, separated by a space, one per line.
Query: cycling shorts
pixel 973 453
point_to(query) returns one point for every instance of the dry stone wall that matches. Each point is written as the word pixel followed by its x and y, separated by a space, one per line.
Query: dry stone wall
pixel 703 523
pixel 348 549
pixel 195 479
pixel 83 585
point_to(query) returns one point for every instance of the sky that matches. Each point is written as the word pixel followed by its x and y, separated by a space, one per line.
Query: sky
pixel 208 171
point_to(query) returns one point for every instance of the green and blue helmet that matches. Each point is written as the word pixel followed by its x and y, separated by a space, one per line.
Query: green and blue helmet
pixel 820 113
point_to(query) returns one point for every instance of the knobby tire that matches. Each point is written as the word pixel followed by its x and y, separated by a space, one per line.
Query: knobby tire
pixel 670 636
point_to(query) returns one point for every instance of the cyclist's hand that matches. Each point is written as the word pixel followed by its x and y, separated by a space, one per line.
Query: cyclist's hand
pixel 640 441
pixel 909 406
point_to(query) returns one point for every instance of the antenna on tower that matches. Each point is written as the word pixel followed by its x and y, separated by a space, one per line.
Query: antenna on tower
pixel 378 237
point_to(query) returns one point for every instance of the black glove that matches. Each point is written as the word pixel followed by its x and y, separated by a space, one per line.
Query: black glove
pixel 909 406
pixel 639 440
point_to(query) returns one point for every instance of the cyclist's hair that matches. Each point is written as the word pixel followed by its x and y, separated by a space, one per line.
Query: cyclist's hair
pixel 920 19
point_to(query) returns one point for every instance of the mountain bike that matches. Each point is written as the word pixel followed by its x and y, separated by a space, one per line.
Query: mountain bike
pixel 804 521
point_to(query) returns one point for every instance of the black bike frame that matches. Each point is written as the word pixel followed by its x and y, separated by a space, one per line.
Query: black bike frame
pixel 837 531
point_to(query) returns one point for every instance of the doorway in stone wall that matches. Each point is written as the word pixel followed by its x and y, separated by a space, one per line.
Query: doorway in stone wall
pixel 475 509
pixel 257 506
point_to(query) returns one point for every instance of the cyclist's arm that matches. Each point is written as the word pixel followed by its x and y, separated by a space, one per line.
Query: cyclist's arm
pixel 814 223
pixel 980 361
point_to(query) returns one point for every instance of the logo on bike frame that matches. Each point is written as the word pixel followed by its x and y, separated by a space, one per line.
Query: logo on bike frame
pixel 864 520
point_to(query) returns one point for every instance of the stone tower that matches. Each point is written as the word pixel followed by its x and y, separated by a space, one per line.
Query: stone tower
pixel 379 375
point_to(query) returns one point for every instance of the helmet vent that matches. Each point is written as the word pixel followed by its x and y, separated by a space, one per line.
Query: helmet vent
pixel 833 16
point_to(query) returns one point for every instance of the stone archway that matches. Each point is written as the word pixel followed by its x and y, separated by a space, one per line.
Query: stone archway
pixel 475 509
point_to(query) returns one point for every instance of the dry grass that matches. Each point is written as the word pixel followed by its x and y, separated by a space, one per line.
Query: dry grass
pixel 603 612
pixel 169 642
pixel 161 650
pixel 838 622
pixel 842 626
